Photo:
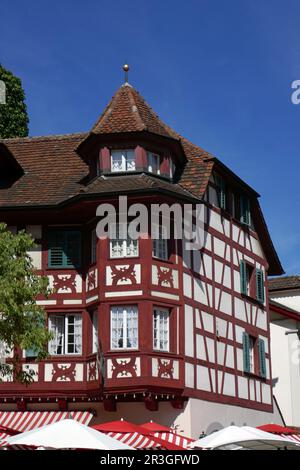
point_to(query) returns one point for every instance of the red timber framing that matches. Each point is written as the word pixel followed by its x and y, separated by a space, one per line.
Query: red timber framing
pixel 207 312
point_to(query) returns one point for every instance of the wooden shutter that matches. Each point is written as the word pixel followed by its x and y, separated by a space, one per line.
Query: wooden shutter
pixel 221 191
pixel 260 288
pixel 262 358
pixel 243 272
pixel 222 194
pixel 246 352
pixel 245 210
pixel 55 249
pixel 64 249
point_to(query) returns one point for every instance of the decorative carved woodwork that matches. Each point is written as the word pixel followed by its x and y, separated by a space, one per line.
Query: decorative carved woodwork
pixel 64 372
pixel 165 276
pixel 165 368
pixel 122 274
pixel 124 367
pixel 64 283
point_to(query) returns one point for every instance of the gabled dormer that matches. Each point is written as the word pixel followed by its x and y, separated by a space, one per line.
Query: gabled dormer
pixel 130 138
pixel 10 169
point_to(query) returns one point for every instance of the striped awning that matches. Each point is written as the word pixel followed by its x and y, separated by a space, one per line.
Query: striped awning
pixel 21 421
pixel 167 434
pixel 136 440
pixel 174 438
pixel 292 437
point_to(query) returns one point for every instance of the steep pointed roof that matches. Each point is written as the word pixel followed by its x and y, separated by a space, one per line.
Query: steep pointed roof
pixel 129 112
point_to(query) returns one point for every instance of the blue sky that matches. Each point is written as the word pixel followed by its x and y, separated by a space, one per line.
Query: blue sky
pixel 219 72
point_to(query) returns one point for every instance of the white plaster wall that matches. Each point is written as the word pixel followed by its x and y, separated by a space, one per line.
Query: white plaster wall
pixel 289 299
pixel 285 355
pixel 210 416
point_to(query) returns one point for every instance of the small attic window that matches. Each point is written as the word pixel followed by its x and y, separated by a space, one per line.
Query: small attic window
pixel 122 160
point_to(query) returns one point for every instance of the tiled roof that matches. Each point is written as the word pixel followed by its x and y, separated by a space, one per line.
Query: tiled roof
pixel 55 173
pixel 128 112
pixel 284 283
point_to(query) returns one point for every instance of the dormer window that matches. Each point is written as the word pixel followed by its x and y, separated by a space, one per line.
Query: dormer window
pixel 153 163
pixel 122 160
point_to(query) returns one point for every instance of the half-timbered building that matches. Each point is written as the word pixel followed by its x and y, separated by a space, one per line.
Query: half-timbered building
pixel 142 329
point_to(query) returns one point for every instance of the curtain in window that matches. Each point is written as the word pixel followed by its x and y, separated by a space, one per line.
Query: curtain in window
pixel 95 331
pixel 56 324
pixel 124 327
pixel 161 329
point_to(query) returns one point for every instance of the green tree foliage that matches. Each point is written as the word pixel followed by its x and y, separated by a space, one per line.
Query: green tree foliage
pixel 22 321
pixel 13 113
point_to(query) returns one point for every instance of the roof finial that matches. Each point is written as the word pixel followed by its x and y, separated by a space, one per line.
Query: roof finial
pixel 126 69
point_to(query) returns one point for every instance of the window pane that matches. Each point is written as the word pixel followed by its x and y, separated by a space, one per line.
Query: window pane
pixel 124 327
pixel 130 160
pixel 95 332
pixel 117 161
pixel 161 329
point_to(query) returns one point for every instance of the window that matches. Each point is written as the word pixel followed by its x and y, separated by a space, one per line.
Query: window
pixel 95 332
pixel 154 163
pixel 67 334
pixel 161 329
pixel 93 247
pixel 245 216
pixel 160 244
pixel 172 168
pixel 221 192
pixel 252 281
pixel 254 355
pixel 122 160
pixel 64 249
pixel 124 327
pixel 123 246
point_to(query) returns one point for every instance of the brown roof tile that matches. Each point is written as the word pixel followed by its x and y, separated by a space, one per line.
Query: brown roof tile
pixel 284 283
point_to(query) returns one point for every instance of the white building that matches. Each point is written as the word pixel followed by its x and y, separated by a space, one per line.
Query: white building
pixel 285 346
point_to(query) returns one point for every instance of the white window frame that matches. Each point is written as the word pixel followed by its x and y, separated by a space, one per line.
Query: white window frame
pixel 65 334
pixel 95 335
pixel 160 246
pixel 125 311
pixel 163 317
pixel 153 161
pixel 124 160
pixel 128 248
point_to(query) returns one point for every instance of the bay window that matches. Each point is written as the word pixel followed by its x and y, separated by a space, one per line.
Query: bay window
pixel 124 327
pixel 67 334
pixel 161 333
pixel 122 160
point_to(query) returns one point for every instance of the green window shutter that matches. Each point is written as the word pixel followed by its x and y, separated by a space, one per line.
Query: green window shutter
pixel 245 210
pixel 221 191
pixel 262 358
pixel 55 249
pixel 64 249
pixel 72 250
pixel 222 194
pixel 260 289
pixel 246 352
pixel 243 272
